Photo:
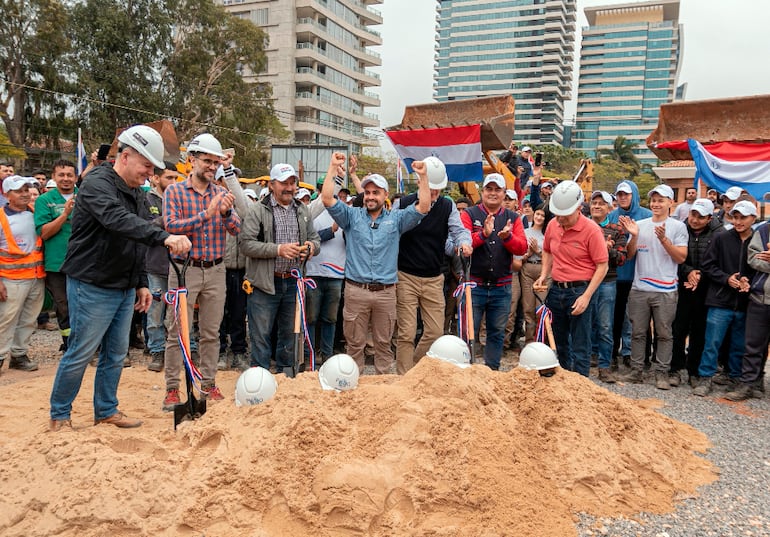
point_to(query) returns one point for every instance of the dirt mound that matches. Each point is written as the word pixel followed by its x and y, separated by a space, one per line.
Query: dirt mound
pixel 441 451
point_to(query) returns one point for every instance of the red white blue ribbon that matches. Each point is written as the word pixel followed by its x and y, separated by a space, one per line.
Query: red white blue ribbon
pixel 543 314
pixel 462 322
pixel 172 299
pixel 301 283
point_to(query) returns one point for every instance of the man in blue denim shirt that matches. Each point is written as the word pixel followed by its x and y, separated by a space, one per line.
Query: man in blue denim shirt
pixel 371 271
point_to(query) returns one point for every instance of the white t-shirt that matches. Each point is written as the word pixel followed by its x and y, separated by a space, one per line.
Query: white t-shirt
pixel 23 231
pixel 655 270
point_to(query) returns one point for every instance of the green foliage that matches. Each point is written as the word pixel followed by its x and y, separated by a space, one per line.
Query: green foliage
pixel 371 164
pixel 8 151
pixel 623 151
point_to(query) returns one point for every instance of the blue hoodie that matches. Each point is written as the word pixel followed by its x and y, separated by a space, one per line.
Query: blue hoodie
pixel 637 212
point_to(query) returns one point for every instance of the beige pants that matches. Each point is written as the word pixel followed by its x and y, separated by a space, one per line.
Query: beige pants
pixel 207 287
pixel 363 309
pixel 18 314
pixel 428 295
pixel 515 296
pixel 529 273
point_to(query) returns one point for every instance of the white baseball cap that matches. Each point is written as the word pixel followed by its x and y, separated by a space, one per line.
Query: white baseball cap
pixel 526 148
pixel 663 190
pixel 745 207
pixel 377 179
pixel 281 172
pixel 510 193
pixel 703 206
pixel 301 193
pixel 624 187
pixel 604 195
pixel 733 193
pixel 495 178
pixel 15 182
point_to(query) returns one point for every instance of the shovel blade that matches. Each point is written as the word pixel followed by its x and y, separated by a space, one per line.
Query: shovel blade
pixel 192 409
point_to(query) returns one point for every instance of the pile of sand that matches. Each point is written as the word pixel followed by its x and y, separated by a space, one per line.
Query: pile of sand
pixel 441 451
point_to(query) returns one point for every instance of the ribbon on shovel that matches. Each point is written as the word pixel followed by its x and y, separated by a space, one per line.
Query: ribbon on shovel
pixel 462 322
pixel 172 299
pixel 301 283
pixel 544 317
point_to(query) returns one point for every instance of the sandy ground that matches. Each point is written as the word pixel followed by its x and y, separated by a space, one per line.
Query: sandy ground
pixel 441 451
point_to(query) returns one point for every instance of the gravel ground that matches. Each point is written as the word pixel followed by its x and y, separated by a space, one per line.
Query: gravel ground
pixel 736 505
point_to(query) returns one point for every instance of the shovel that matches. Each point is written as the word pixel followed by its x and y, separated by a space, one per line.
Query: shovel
pixel 470 331
pixel 298 365
pixel 545 321
pixel 192 408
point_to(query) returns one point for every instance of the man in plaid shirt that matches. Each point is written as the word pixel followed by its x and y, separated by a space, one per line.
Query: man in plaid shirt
pixel 204 212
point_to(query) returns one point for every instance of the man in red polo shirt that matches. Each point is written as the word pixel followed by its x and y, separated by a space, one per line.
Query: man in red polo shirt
pixel 575 257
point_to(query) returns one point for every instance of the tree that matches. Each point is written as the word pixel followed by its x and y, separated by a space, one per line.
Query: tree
pixel 623 151
pixel 8 151
pixel 33 38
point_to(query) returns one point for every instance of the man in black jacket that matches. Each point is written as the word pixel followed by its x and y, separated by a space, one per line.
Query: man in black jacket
pixel 690 321
pixel 105 268
pixel 729 274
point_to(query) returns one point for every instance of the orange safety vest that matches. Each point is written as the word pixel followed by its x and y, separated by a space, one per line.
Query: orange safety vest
pixel 15 264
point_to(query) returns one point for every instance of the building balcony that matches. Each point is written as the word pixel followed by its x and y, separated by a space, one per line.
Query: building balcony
pixel 304 100
pixel 309 76
pixel 307 8
pixel 370 15
pixel 310 52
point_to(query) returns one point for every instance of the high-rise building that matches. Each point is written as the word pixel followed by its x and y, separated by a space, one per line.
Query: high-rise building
pixel 317 63
pixel 522 48
pixel 629 66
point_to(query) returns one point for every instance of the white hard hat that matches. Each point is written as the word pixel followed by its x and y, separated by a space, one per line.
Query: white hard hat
pixel 566 198
pixel 146 141
pixel 205 143
pixel 537 356
pixel 255 385
pixel 451 349
pixel 340 372
pixel 437 178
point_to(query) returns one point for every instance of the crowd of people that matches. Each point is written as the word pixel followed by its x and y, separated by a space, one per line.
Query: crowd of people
pixel 680 291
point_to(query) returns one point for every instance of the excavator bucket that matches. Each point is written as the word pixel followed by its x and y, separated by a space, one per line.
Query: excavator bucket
pixel 167 132
pixel 494 114
pixel 742 119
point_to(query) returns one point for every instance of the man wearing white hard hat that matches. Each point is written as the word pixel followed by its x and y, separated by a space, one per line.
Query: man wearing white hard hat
pixel 203 211
pixel 22 275
pixel 371 265
pixel 729 279
pixel 420 278
pixel 659 244
pixel 277 238
pixel 497 234
pixel 575 256
pixel 106 278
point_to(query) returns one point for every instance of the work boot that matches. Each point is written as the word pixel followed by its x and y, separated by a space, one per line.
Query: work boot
pixel 127 361
pixel 157 360
pixel 22 363
pixel 606 375
pixel 119 420
pixel 222 363
pixel 721 379
pixel 758 389
pixel 57 425
pixel 674 379
pixel 2 360
pixel 171 400
pixel 239 362
pixel 594 360
pixel 632 376
pixel 703 388
pixel 661 381
pixel 741 393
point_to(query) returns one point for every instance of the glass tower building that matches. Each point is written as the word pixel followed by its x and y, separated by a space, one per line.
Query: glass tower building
pixel 522 48
pixel 318 65
pixel 629 66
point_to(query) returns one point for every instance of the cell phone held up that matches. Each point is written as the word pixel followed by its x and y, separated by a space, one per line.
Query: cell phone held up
pixel 538 159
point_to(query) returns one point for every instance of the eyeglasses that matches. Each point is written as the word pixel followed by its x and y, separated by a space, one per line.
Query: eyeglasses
pixel 208 162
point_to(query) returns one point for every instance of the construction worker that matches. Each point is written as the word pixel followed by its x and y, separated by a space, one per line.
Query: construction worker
pixel 371 266
pixel 53 222
pixel 105 275
pixel 204 212
pixel 22 288
pixel 420 278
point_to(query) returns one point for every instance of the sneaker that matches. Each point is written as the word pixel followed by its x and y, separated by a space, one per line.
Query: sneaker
pixel 119 420
pixel 632 376
pixel 213 393
pixel 22 363
pixel 703 388
pixel 606 375
pixel 661 381
pixel 740 393
pixel 156 361
pixel 172 399
pixel 57 425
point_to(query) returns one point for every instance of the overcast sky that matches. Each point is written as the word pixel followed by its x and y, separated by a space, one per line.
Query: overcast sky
pixel 726 48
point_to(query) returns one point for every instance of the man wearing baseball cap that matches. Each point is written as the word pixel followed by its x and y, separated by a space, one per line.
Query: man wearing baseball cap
pixel 729 199
pixel 729 278
pixel 497 234
pixel 22 276
pixel 690 320
pixel 659 244
pixel 277 237
pixel 371 266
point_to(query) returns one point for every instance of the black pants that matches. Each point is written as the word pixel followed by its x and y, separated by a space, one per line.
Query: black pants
pixel 622 290
pixel 56 283
pixel 690 321
pixel 234 318
pixel 757 339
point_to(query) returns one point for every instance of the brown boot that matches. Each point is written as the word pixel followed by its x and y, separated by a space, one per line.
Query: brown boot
pixel 606 375
pixel 22 363
pixel 119 420
pixel 632 376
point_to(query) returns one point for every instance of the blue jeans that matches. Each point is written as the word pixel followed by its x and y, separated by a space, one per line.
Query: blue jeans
pixel 264 312
pixel 97 316
pixel 603 304
pixel 572 333
pixel 718 322
pixel 156 329
pixel 495 302
pixel 322 305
